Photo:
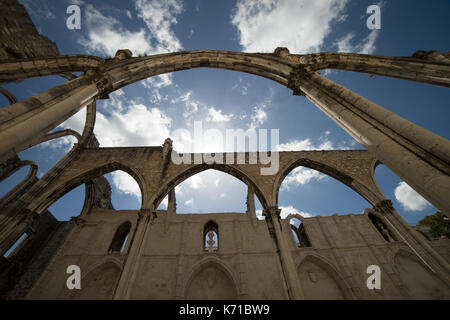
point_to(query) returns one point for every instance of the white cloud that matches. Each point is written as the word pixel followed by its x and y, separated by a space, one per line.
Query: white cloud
pixel 160 81
pixel 101 27
pixel 126 123
pixel 163 205
pixel 216 115
pixel 409 198
pixel 159 16
pixel 132 127
pixel 128 12
pixel 126 184
pixel 63 144
pixel 367 46
pixel 241 87
pixel 285 211
pixel 300 176
pixel 195 182
pixel 300 25
pixel 259 215
pixel 189 202
pixel 306 145
pixel 258 117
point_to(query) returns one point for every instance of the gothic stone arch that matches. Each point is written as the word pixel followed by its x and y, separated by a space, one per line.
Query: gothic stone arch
pixel 211 279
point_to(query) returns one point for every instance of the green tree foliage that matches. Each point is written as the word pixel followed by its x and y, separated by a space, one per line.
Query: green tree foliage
pixel 439 224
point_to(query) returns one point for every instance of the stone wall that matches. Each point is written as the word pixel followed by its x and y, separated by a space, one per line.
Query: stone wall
pixel 19 38
pixel 175 265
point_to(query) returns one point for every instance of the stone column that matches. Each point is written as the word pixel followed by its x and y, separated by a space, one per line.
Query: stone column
pixel 287 262
pixel 32 118
pixel 419 157
pixel 136 249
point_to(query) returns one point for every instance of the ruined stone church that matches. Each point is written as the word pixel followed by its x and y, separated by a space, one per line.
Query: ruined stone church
pixel 159 254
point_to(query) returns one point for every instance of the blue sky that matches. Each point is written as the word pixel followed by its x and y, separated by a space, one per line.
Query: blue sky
pixel 147 112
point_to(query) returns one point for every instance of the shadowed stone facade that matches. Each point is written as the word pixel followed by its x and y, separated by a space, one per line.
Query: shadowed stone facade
pixel 19 38
pixel 154 254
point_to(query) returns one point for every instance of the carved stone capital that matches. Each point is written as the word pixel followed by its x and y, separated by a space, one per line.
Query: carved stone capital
pixel 103 83
pixel 295 80
pixel 384 206
pixel 148 214
pixel 271 214
pixel 29 217
pixel 272 211
pixel 104 86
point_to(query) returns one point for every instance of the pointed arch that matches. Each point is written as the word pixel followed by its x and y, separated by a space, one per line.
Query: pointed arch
pixel 211 234
pixel 22 186
pixel 321 280
pixel 72 182
pixel 420 282
pixel 99 283
pixel 191 171
pixel 301 237
pixel 201 286
pixel 323 168
pixel 121 236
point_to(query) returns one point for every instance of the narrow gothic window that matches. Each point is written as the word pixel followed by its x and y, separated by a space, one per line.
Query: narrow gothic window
pixel 120 237
pixel 387 234
pixel 211 237
pixel 300 236
pixel 16 246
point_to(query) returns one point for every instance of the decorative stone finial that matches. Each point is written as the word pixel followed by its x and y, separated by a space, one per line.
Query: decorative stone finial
pixel 281 51
pixel 123 54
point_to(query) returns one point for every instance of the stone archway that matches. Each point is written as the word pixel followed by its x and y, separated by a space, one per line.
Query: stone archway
pixel 99 284
pixel 320 281
pixel 418 279
pixel 211 281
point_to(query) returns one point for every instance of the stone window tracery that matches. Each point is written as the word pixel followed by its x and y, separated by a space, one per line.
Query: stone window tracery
pixel 211 237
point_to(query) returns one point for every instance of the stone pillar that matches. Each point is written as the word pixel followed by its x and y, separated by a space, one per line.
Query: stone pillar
pixel 136 248
pixel 419 157
pixel 287 262
pixel 32 118
pixel 424 251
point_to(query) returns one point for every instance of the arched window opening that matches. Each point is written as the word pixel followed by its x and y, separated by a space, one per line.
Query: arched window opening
pixel 299 232
pixel 120 239
pixel 410 205
pixel 125 191
pixel 49 153
pixel 309 192
pixel 211 191
pixel 69 205
pixel 211 237
pixel 386 232
pixel 13 180
pixel 16 246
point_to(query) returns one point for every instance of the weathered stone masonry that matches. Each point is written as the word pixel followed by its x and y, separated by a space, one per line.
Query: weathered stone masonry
pixel 164 256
